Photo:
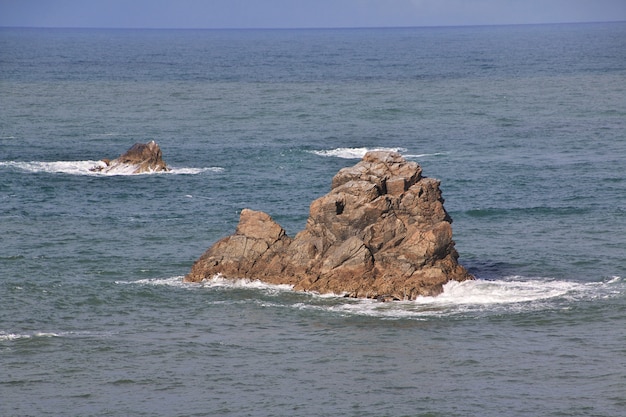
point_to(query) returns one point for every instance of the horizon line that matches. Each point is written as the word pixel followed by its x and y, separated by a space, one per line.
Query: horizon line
pixel 312 27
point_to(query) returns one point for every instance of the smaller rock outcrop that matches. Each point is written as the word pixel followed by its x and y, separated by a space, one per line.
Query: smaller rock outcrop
pixel 140 158
pixel 382 232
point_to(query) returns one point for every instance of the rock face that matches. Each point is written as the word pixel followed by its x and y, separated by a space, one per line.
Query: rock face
pixel 140 158
pixel 382 232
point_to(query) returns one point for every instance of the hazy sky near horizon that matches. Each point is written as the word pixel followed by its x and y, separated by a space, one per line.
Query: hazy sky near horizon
pixel 301 13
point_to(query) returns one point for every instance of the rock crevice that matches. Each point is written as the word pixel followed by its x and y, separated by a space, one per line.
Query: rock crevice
pixel 382 232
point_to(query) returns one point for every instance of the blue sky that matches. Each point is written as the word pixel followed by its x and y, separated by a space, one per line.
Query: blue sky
pixel 301 13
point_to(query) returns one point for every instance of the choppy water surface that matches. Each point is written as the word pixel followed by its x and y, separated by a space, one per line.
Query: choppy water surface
pixel 524 125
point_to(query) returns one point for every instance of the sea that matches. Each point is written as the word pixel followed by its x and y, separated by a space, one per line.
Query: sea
pixel 525 126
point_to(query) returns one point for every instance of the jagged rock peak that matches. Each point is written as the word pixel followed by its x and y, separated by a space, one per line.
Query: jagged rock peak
pixel 381 232
pixel 140 158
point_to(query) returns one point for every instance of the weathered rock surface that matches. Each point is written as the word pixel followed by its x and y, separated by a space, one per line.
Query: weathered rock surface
pixel 140 158
pixel 382 232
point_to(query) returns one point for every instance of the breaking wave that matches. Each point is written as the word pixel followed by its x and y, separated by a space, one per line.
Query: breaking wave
pixel 4 336
pixel 84 168
pixel 41 335
pixel 216 282
pixel 472 298
pixel 353 153
pixel 510 295
pixel 358 153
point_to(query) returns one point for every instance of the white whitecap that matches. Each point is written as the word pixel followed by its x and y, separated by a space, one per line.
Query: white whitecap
pixel 509 295
pixel 483 292
pixel 220 281
pixel 352 153
pixel 46 334
pixel 193 171
pixel 65 167
pixel 4 336
pixel 171 282
pixel 86 168
pixel 424 155
pixel 217 281
pixel 13 336
pixel 614 280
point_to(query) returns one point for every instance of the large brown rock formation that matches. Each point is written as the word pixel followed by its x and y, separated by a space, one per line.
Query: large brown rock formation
pixel 382 232
pixel 140 158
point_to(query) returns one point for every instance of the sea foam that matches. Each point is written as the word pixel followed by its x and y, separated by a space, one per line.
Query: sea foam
pixel 35 335
pixel 358 153
pixel 4 336
pixel 483 292
pixel 353 153
pixel 85 168
pixel 216 281
pixel 510 295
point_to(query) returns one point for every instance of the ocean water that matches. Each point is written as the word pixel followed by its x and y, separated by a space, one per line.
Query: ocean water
pixel 524 125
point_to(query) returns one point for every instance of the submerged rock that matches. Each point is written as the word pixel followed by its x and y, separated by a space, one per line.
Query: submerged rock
pixel 140 158
pixel 382 232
